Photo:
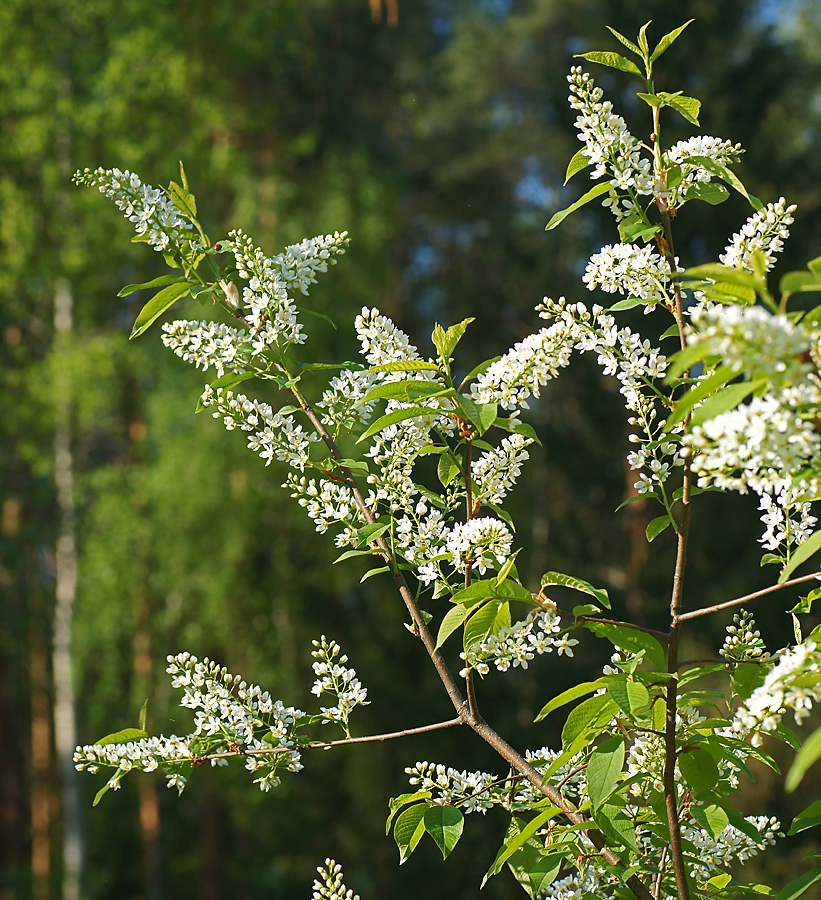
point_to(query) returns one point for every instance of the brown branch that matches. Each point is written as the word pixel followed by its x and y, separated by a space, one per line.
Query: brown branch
pixel 740 601
pixel 324 745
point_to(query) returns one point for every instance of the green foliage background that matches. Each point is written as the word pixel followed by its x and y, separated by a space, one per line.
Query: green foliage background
pixel 440 145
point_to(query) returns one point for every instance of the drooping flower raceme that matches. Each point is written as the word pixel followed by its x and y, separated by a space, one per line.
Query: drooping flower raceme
pixel 207 344
pixel 629 269
pixel 481 544
pixel 335 679
pixel 329 885
pixel 764 231
pixel 152 211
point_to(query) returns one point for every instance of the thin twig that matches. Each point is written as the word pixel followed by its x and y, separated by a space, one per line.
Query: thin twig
pixel 740 601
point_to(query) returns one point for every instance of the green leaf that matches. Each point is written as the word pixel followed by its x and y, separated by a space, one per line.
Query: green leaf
pixel 512 844
pixel 718 882
pixel 568 696
pixel 452 620
pixel 446 341
pixel 444 824
pixel 809 754
pixel 408 831
pixel 667 40
pixel 122 737
pixel 407 391
pixel 407 365
pixel 183 200
pixel 627 303
pixel 798 885
pixel 807 818
pixel 351 554
pixel 491 589
pixel 636 230
pixel 712 819
pixel 378 571
pixel 157 305
pixel 688 107
pixel 708 192
pixel 797 282
pixel 604 768
pixel 485 621
pixel 597 191
pixel 107 786
pixel 447 469
pixel 578 585
pixel 725 399
pixel 630 639
pixel 396 803
pixel 479 370
pixel 143 715
pixel 482 415
pixel 698 392
pixel 368 533
pixel 162 281
pixel 615 824
pixel 809 547
pixel 534 868
pixel 587 719
pixel 631 696
pixel 398 415
pixel 721 171
pixel 656 526
pixel 699 770
pixel 579 162
pixel 627 43
pixel 611 59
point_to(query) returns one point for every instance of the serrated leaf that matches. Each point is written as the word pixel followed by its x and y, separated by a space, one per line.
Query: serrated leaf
pixel 452 620
pixel 627 43
pixel 157 305
pixel 809 547
pixel 639 230
pixel 699 770
pixel 125 736
pixel 398 415
pixel 490 588
pixel 799 885
pixel 350 554
pixel 708 192
pixel 797 282
pixel 577 164
pixel 807 756
pixel 512 844
pixel 143 716
pixel 809 817
pixel 611 59
pixel 408 830
pixel 656 526
pixel 371 572
pixel 604 768
pixel 725 399
pixel 559 217
pixel 183 199
pixel 615 824
pixel 407 365
pixel 534 868
pixel 368 533
pixel 446 342
pixel 627 303
pixel 482 415
pixel 588 719
pixel 396 803
pixel 444 824
pixel 711 818
pixel 688 107
pixel 721 171
pixel 486 620
pixel 667 40
pixel 408 391
pixel 162 281
pixel 631 696
pixel 578 585
pixel 447 469
pixel 568 696
pixel 630 639
pixel 698 392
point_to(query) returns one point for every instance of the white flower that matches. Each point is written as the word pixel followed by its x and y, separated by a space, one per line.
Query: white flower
pixel 479 544
pixel 766 231
pixel 329 885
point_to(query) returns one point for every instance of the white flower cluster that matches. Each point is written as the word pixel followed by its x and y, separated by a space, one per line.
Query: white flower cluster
pixel 328 503
pixel 471 791
pixel 793 683
pixel 496 471
pixel 207 344
pixel 269 310
pixel 394 451
pixel 743 642
pixel 382 342
pixel 329 885
pixel 272 435
pixel 765 231
pixel 230 715
pixel 298 264
pixel 150 209
pixel 342 401
pixel 334 678
pixel 753 340
pixel 517 644
pixel 788 520
pixel 608 143
pixel 481 544
pixel 732 845
pixel 724 152
pixel 631 270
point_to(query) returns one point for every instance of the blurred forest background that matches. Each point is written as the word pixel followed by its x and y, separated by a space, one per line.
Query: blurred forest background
pixel 437 133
